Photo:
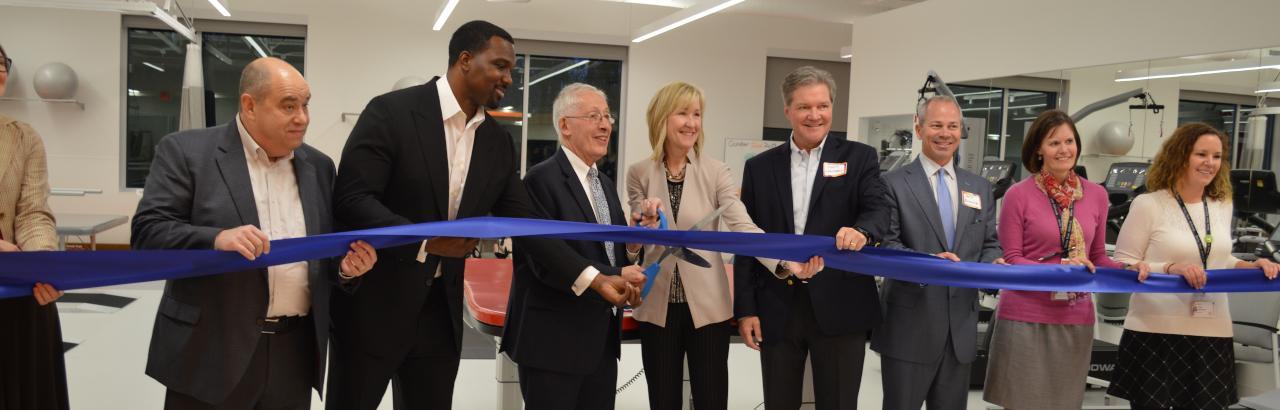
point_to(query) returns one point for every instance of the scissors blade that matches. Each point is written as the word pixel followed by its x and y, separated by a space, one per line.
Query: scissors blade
pixel 685 253
pixel 691 257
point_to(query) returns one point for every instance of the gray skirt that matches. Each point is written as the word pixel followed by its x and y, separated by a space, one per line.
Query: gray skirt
pixel 1038 366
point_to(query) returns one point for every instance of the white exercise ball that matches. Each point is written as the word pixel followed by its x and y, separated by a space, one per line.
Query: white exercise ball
pixel 407 82
pixel 1114 138
pixel 55 81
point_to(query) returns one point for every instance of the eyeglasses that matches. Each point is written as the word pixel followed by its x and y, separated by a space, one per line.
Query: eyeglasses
pixel 596 117
pixel 8 63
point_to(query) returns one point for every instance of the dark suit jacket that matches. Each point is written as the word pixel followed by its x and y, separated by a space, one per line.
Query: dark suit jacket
pixel 843 302
pixel 918 318
pixel 548 327
pixel 207 327
pixel 395 171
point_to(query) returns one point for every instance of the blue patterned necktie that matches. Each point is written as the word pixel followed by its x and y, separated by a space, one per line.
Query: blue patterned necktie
pixel 944 209
pixel 601 207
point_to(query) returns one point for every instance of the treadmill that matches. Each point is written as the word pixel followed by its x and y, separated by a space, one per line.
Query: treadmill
pixel 1000 175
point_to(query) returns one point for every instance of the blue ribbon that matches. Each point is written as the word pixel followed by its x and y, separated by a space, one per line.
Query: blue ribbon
pixel 76 270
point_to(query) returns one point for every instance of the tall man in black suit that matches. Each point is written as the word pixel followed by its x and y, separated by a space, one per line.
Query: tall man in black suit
pixel 567 346
pixel 928 338
pixel 815 185
pixel 423 154
pixel 257 338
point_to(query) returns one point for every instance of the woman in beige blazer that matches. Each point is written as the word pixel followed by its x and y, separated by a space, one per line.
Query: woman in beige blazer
pixel 688 307
pixel 32 374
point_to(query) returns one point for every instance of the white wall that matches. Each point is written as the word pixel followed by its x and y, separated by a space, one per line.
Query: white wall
pixel 969 40
pixel 355 53
pixel 83 146
pixel 724 55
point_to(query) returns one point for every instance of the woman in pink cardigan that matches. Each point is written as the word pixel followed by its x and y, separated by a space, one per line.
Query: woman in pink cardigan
pixel 1042 340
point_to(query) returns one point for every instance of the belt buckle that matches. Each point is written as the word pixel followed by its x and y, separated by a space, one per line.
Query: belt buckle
pixel 271 320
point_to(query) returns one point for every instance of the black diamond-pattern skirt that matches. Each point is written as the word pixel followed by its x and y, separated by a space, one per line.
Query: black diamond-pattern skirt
pixel 1165 370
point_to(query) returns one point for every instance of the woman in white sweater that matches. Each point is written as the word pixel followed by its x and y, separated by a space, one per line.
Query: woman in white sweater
pixel 1176 349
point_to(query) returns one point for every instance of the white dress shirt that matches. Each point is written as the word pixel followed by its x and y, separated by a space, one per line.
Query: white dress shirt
pixel 804 170
pixel 460 139
pixel 931 173
pixel 275 194
pixel 581 168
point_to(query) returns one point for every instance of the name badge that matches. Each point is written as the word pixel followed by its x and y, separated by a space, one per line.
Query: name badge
pixel 1201 307
pixel 834 169
pixel 1059 296
pixel 971 200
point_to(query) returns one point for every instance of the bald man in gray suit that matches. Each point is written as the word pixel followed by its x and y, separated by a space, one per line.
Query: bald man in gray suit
pixel 926 342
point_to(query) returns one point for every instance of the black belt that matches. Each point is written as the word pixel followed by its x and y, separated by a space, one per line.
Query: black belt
pixel 273 325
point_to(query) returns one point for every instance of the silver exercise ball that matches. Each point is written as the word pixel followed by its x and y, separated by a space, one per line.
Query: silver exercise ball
pixel 1114 138
pixel 407 82
pixel 55 81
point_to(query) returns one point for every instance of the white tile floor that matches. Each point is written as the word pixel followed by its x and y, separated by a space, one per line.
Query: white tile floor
pixel 106 370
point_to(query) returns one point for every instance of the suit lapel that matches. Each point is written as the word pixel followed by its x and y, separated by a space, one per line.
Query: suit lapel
pixel 830 152
pixel 310 195
pixel 477 177
pixel 308 191
pixel 430 126
pixel 918 184
pixel 782 180
pixel 235 173
pixel 576 190
pixel 8 146
pixel 966 214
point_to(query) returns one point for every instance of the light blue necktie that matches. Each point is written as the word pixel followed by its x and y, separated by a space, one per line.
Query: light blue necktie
pixel 944 209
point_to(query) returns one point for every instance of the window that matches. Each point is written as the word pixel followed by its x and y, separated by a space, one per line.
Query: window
pixel 1022 108
pixel 539 75
pixel 982 103
pixel 154 64
pixel 225 56
pixel 153 88
pixel 1232 119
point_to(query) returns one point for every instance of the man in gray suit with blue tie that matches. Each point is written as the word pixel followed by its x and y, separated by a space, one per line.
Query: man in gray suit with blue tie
pixel 926 342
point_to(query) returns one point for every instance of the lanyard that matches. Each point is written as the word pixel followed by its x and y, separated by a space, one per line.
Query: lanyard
pixel 1207 244
pixel 1065 239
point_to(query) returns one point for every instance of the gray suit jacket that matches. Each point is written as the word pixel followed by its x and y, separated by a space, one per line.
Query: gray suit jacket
pixel 208 326
pixel 918 317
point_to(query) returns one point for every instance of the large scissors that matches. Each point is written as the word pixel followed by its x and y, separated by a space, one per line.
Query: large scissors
pixel 651 272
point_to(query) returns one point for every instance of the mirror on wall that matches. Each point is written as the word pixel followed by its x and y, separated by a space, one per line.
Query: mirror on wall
pixel 1128 110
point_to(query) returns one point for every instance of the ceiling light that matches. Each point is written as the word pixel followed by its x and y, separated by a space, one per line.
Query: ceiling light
pixel 558 72
pixel 222 9
pixel 1271 87
pixel 441 16
pixel 173 23
pixel 153 66
pixel 683 17
pixel 1175 72
pixel 249 40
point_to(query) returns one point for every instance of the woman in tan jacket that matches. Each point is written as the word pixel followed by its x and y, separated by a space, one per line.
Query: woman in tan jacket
pixel 32 374
pixel 688 308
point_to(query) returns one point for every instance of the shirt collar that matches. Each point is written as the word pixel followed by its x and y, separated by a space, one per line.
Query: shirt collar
pixel 251 148
pixel 795 149
pixel 580 167
pixel 449 106
pixel 931 167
